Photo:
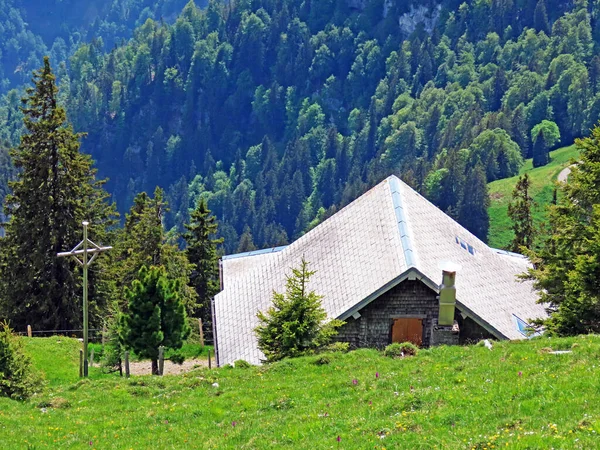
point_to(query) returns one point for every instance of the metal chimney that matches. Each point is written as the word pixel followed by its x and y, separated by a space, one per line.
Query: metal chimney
pixel 447 294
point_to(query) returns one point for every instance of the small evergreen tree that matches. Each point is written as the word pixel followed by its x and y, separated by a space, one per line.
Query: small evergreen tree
pixel 17 380
pixel 202 252
pixel 295 324
pixel 156 316
pixel 519 210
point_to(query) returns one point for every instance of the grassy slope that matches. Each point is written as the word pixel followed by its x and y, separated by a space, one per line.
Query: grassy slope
pixel 542 186
pixel 515 396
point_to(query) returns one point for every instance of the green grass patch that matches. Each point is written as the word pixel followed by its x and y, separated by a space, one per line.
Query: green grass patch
pixel 542 186
pixel 516 396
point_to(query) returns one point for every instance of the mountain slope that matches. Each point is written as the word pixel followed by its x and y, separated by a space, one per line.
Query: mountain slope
pixel 543 181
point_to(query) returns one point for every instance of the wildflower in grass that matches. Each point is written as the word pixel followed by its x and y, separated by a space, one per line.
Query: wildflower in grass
pixel 339 438
pixel 355 382
pixel 520 373
pixel 376 374
pixel 234 423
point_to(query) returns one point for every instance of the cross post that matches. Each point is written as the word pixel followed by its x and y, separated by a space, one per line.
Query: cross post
pixel 83 249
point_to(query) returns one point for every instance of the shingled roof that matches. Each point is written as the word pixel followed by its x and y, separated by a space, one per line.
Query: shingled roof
pixel 389 234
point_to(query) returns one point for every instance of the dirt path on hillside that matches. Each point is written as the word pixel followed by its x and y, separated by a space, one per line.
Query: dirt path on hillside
pixel 145 367
pixel 564 174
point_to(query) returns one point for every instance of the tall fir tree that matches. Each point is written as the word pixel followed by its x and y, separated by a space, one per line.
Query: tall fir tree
pixel 520 212
pixel 246 241
pixel 202 252
pixel 541 156
pixel 143 242
pixel 540 17
pixel 473 208
pixel 55 190
pixel 156 315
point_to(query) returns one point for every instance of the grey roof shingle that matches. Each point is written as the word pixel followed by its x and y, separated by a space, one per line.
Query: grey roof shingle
pixel 364 247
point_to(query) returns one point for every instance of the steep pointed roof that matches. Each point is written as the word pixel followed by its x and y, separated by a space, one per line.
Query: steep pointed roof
pixel 364 250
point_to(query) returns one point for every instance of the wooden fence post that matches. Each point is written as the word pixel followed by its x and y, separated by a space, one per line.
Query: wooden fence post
pixel 209 362
pixel 92 357
pixel 161 359
pixel 80 363
pixel 201 333
pixel 29 332
pixel 126 364
pixel 103 334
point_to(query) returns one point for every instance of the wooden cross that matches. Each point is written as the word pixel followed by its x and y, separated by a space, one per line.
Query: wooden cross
pixel 85 248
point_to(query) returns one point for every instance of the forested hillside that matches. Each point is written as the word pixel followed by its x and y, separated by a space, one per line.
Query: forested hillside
pixel 279 112
pixel 30 29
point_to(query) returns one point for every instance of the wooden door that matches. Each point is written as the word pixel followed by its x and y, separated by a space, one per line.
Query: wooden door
pixel 408 330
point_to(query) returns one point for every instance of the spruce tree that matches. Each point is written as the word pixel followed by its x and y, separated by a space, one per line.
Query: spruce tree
pixel 540 18
pixel 156 315
pixel 541 157
pixel 519 210
pixel 202 252
pixel 143 242
pixel 246 241
pixel 295 325
pixel 473 208
pixel 55 190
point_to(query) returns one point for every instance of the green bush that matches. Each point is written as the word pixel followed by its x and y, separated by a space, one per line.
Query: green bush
pixel 177 358
pixel 337 347
pixel 322 361
pixel 399 350
pixel 241 364
pixel 17 379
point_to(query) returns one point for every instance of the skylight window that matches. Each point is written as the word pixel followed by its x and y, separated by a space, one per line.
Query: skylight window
pixel 465 245
pixel 524 328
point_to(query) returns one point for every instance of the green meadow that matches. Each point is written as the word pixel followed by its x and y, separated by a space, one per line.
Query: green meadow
pixel 517 395
pixel 543 181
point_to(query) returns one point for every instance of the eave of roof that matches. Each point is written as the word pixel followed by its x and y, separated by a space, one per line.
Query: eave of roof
pixel 414 274
pixel 410 274
pixel 254 253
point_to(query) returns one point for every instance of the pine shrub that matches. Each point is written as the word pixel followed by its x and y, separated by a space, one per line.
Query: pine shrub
pixel 17 379
pixel 400 349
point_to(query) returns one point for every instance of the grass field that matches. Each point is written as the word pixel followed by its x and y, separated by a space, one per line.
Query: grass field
pixel 542 187
pixel 515 396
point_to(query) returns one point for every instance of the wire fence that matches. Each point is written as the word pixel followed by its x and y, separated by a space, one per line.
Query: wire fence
pixel 95 334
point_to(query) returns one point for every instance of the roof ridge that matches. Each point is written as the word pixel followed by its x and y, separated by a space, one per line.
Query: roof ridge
pixel 403 229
